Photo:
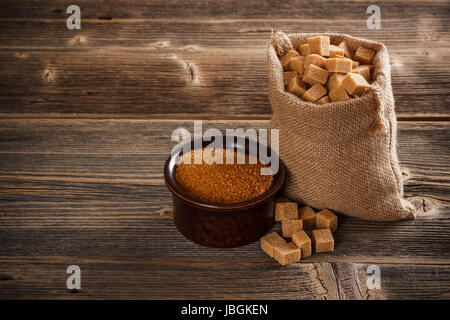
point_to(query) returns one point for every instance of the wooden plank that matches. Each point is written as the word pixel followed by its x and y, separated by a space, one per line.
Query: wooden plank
pixel 91 192
pixel 146 65
pixel 45 278
pixel 416 169
pixel 137 279
pixel 83 186
pixel 115 144
pixel 203 83
pixel 178 9
pixel 406 282
pixel 131 233
pixel 203 34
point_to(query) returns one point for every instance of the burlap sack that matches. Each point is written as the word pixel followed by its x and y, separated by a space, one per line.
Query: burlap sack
pixel 340 155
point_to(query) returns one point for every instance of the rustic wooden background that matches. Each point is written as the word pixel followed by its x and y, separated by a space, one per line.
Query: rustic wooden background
pixel 85 123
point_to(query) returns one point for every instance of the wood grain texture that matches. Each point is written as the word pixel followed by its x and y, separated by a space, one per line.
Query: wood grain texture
pixel 85 124
pixel 85 184
pixel 405 281
pixel 211 82
pixel 45 278
pixel 142 62
pixel 216 9
pixel 149 280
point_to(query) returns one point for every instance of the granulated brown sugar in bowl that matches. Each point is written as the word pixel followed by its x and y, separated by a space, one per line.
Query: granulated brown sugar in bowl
pixel 222 183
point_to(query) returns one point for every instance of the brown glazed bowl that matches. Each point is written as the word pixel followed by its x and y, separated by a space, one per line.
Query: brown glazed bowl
pixel 222 225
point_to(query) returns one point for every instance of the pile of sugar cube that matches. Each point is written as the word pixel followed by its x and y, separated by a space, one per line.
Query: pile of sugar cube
pixel 294 222
pixel 321 72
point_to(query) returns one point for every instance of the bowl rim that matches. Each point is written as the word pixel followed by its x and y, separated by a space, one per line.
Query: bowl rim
pixel 176 191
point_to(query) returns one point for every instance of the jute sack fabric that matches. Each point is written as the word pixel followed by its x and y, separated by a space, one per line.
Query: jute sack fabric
pixel 340 155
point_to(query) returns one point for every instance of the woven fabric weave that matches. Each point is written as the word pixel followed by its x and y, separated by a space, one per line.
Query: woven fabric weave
pixel 340 155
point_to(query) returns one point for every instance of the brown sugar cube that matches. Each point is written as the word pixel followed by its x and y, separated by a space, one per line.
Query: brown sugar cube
pixel 347 51
pixel 271 240
pixel 288 56
pixel 286 211
pixel 286 253
pixel 354 83
pixel 314 93
pixel 288 227
pixel 326 220
pixel 323 100
pixel 301 240
pixel 365 70
pixel 288 76
pixel 314 74
pixel 297 64
pixel 339 94
pixel 304 49
pixel 338 65
pixel 308 216
pixel 297 86
pixel 335 81
pixel 354 63
pixel 335 50
pixel 316 60
pixel 319 45
pixel 323 240
pixel 364 55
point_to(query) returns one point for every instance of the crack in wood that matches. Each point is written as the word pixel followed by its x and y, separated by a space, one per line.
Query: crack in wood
pixel 321 281
pixel 190 70
pixel 358 282
pixel 49 75
pixel 327 279
pixel 348 287
pixel 335 274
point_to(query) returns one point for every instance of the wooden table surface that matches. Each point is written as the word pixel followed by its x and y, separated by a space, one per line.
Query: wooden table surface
pixel 85 123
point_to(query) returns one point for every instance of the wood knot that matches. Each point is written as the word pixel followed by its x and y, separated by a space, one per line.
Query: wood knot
pixel 166 212
pixel 191 70
pixel 425 207
pixel 159 45
pixel 78 40
pixel 49 75
pixel 21 55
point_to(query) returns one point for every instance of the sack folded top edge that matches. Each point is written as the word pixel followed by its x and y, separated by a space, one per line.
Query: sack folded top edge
pixel 377 87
